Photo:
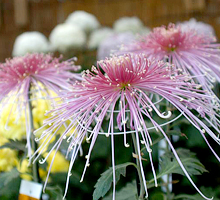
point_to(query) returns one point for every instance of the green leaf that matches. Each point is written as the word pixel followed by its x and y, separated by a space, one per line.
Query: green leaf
pixel 7 177
pixel 169 164
pixel 55 192
pixel 181 121
pixel 14 144
pixel 208 191
pixel 9 184
pixel 189 197
pixel 158 196
pixel 104 182
pixel 129 192
pixel 191 132
pixel 99 144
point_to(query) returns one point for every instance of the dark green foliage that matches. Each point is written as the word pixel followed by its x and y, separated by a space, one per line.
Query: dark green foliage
pixel 105 181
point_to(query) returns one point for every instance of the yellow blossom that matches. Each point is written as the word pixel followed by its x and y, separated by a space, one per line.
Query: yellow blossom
pixel 8 157
pixel 60 164
pixel 15 128
pixel 15 120
pixel 24 170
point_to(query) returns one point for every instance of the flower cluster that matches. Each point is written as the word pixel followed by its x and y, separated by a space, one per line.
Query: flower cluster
pixel 171 64
pixel 125 85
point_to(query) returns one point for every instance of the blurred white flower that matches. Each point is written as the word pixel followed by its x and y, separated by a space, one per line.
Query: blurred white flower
pixel 145 30
pixel 30 42
pixel 112 43
pixel 86 21
pixel 125 24
pixel 199 26
pixel 98 36
pixel 66 36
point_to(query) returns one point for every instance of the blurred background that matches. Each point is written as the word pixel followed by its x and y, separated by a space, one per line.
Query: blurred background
pixel 18 16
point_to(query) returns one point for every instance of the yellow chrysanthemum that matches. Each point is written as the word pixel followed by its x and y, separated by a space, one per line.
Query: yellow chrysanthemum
pixel 60 164
pixel 16 124
pixel 24 170
pixel 8 157
pixel 40 106
pixel 15 128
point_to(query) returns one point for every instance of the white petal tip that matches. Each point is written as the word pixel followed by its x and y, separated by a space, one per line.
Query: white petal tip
pixel 127 145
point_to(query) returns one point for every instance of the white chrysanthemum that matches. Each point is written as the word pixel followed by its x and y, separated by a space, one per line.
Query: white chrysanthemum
pixel 112 43
pixel 66 36
pixel 200 27
pixel 98 36
pixel 145 30
pixel 30 42
pixel 86 21
pixel 125 24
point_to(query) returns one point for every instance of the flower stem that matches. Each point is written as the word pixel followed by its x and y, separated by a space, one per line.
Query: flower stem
pixel 35 167
pixel 163 148
pixel 139 180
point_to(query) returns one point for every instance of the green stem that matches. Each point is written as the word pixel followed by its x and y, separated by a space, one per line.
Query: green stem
pixel 142 191
pixel 35 167
pixel 168 149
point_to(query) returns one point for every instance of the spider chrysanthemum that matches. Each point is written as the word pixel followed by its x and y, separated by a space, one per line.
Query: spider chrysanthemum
pixel 25 78
pixel 191 51
pixel 123 89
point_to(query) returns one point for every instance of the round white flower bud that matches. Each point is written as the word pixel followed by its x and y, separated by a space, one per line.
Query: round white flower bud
pixel 30 42
pixel 98 36
pixel 125 24
pixel 65 37
pixel 86 21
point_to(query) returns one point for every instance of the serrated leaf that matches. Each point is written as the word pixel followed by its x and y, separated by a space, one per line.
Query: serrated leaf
pixel 129 192
pixel 104 182
pixel 7 177
pixel 55 192
pixel 14 144
pixel 169 164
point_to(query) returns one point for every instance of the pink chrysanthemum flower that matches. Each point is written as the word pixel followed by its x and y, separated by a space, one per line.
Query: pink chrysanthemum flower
pixel 192 52
pixel 21 78
pixel 123 87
